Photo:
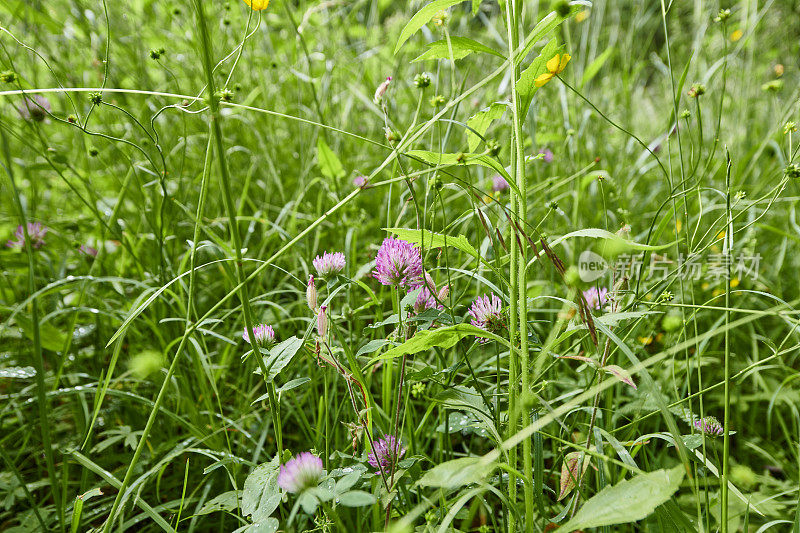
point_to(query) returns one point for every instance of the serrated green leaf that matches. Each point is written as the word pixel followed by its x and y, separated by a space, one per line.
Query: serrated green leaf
pixel 460 47
pixel 434 240
pixel 422 17
pixel 445 337
pixel 280 355
pixel 525 84
pixel 627 501
pixel 481 121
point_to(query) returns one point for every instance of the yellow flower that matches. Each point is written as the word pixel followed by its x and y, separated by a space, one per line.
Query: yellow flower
pixel 581 16
pixel 257 5
pixel 556 65
pixel 736 35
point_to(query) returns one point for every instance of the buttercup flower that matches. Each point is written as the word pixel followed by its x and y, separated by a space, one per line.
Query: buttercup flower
pixel 709 425
pixel 596 298
pixel 34 108
pixel 257 5
pixel 264 335
pixel 385 452
pixel 499 183
pixel 36 232
pixel 487 314
pixel 555 66
pixel 381 90
pixel 329 263
pixel 398 263
pixel 300 473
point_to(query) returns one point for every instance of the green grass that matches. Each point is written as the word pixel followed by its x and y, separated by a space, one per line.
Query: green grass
pixel 209 157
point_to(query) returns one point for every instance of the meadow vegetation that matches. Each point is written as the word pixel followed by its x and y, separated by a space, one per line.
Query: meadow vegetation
pixel 399 266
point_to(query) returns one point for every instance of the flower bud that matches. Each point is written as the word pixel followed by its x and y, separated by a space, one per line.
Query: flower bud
pixel 322 321
pixel 381 90
pixel 443 292
pixel 311 294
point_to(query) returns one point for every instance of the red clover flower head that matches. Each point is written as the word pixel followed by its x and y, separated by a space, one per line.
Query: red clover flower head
pixel 709 425
pixel 36 232
pixel 264 335
pixel 425 300
pixel 547 155
pixel 487 313
pixel 499 183
pixel 300 473
pixel 329 263
pixel 398 263
pixel 362 182
pixel 385 452
pixel 596 298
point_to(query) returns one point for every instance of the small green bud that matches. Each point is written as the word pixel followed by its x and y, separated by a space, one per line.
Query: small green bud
pixel 723 15
pixel 667 296
pixel 792 171
pixel 493 147
pixel 772 86
pixel 8 76
pixel 789 127
pixel 422 80
pixel 95 98
pixel 226 95
pixel 698 89
pixel 685 114
pixel 93 152
pixel 155 54
pixel 438 101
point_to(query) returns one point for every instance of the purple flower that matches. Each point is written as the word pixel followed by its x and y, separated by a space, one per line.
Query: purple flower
pixel 361 182
pixel 329 263
pixel 385 452
pixel 34 108
pixel 87 250
pixel 398 263
pixel 302 472
pixel 596 298
pixel 264 335
pixel 425 300
pixel 499 183
pixel 548 155
pixel 709 425
pixel 36 232
pixel 488 314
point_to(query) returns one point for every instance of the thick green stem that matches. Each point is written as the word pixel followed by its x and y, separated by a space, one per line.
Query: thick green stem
pixel 518 296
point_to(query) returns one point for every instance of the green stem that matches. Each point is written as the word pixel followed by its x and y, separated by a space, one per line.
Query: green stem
pixel 227 199
pixel 727 393
pixel 518 269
